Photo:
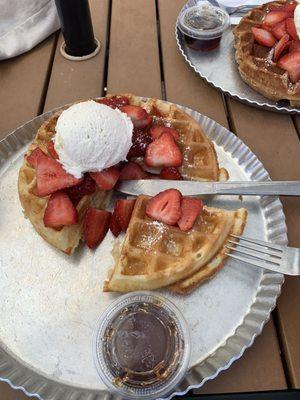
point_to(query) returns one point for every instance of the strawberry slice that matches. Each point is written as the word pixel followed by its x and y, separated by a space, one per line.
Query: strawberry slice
pixel 170 173
pixel 190 209
pixel 51 177
pixel 51 149
pixel 95 226
pixel 275 16
pixel 165 206
pixel 123 211
pixel 60 211
pixel 33 156
pixel 114 226
pixel 291 63
pixel 139 116
pixel 157 130
pixel 86 187
pixel 280 46
pixel 291 29
pixel 279 30
pixel 263 37
pixel 163 152
pixel 294 45
pixel 107 178
pixel 114 101
pixel 140 141
pixel 132 171
pixel 288 8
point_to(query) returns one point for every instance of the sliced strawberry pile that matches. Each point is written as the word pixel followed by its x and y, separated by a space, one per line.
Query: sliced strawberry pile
pixel 140 141
pixel 163 152
pixel 33 156
pixel 170 173
pixel 139 116
pixel 190 209
pixel 157 130
pixel 122 212
pixel 114 102
pixel 60 211
pixel 132 170
pixel 51 177
pixel 107 178
pixel 86 187
pixel 95 226
pixel 51 149
pixel 165 206
pixel 171 208
pixel 278 31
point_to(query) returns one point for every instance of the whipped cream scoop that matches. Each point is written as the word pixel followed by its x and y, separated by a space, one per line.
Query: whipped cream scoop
pixel 91 137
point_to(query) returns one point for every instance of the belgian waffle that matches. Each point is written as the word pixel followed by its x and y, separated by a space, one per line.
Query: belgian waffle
pixel 255 63
pixel 156 255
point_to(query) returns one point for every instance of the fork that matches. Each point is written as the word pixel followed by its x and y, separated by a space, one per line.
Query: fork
pixel 274 257
pixel 232 10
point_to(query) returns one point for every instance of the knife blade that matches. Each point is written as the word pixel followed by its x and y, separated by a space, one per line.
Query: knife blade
pixel 195 188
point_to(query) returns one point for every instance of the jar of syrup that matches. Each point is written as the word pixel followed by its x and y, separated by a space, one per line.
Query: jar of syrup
pixel 142 346
pixel 203 25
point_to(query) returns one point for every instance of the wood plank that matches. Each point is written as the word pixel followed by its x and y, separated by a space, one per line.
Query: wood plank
pixel 133 55
pixel 272 137
pixel 21 90
pixel 181 83
pixel 74 80
pixel 207 100
pixel 248 366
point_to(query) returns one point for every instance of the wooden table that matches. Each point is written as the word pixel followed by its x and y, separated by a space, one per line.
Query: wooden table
pixel 139 55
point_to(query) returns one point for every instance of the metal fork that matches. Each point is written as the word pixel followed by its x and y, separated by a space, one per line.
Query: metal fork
pixel 232 10
pixel 274 257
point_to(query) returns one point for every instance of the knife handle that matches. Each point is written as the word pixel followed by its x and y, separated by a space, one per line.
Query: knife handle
pixel 282 188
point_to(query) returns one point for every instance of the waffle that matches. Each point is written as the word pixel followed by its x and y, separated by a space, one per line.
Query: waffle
pixel 199 157
pixel 255 63
pixel 68 237
pixel 156 255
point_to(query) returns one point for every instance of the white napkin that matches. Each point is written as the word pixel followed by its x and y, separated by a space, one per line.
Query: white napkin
pixel 236 3
pixel 25 23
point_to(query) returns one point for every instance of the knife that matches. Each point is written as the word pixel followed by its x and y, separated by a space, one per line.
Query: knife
pixel 193 188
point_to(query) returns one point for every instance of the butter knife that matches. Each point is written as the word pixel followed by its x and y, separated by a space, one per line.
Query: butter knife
pixel 194 188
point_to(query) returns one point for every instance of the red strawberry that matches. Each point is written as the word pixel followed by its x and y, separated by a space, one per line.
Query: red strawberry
pixel 132 170
pixel 139 117
pixel 140 141
pixel 294 45
pixel 275 16
pixel 157 130
pixel 263 37
pixel 32 157
pixel 52 150
pixel 291 63
pixel 114 101
pixel 289 8
pixel 87 186
pixel 279 30
pixel 165 206
pixel 190 209
pixel 163 152
pixel 123 211
pixel 51 177
pixel 107 178
pixel 280 46
pixel 114 226
pixel 290 27
pixel 95 226
pixel 170 173
pixel 60 211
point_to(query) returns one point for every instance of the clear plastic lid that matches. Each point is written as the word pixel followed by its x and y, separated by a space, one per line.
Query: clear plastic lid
pixel 203 21
pixel 141 346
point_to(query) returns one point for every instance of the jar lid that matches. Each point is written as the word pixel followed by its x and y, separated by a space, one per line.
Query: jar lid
pixel 141 346
pixel 203 21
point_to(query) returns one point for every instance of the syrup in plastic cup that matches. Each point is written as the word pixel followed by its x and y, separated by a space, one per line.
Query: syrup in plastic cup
pixel 202 26
pixel 141 346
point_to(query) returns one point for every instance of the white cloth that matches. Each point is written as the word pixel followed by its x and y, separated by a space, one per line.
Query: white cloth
pixel 24 24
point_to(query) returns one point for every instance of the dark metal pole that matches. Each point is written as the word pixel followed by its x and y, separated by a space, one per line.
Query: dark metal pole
pixel 76 26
